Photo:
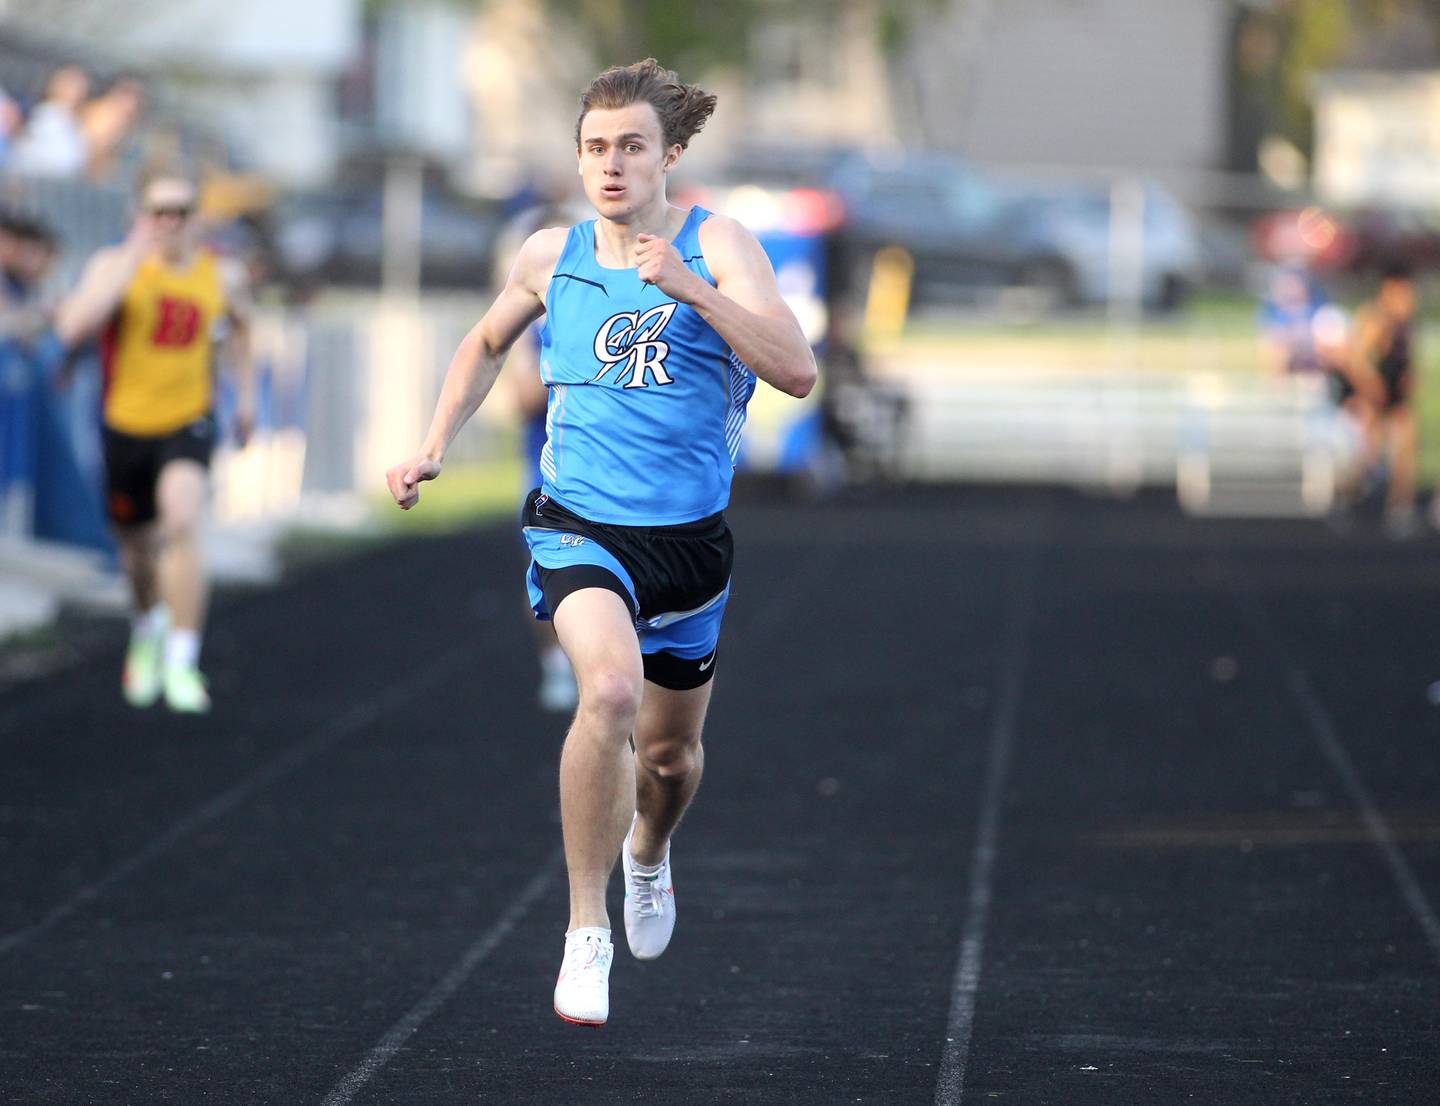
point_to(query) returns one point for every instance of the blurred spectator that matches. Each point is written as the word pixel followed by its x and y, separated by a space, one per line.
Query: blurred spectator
pixel 11 119
pixel 27 254
pixel 557 691
pixel 526 200
pixel 1301 333
pixel 52 143
pixel 1287 322
pixel 106 121
pixel 1382 364
pixel 862 420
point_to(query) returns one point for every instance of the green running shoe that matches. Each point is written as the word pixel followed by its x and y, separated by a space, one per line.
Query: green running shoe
pixel 141 681
pixel 185 691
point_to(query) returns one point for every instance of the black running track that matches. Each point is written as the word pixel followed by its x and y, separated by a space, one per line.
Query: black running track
pixel 1012 797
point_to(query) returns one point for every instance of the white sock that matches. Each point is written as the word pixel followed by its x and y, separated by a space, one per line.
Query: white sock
pixel 182 649
pixel 588 931
pixel 149 623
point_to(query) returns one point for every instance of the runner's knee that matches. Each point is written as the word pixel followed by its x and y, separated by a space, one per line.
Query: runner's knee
pixel 177 527
pixel 612 694
pixel 671 756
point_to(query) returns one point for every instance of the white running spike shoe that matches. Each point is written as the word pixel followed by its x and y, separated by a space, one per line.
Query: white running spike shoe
pixel 582 990
pixel 649 903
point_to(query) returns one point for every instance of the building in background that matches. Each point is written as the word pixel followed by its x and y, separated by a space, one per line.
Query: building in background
pixel 484 89
pixel 1131 84
pixel 1115 83
pixel 1377 138
pixel 1377 119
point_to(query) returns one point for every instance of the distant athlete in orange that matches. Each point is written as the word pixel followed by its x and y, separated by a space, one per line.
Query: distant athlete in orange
pixel 1383 371
pixel 158 303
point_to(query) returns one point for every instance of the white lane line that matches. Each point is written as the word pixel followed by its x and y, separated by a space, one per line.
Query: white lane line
pixel 950 1084
pixel 1323 729
pixel 1246 595
pixel 329 734
pixel 762 621
pixel 1379 829
pixel 449 983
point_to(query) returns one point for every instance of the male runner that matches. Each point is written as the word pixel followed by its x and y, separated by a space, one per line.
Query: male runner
pixel 158 301
pixel 658 321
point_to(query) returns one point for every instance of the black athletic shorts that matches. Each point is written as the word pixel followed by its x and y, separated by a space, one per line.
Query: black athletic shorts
pixel 680 575
pixel 133 464
pixel 1397 392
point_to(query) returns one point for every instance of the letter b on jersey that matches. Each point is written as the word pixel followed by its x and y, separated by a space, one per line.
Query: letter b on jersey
pixel 630 343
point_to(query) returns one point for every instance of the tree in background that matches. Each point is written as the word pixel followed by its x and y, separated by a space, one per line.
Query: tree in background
pixel 694 38
pixel 1278 49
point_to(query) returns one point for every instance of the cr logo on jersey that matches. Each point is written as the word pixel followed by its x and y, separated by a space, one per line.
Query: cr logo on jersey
pixel 630 344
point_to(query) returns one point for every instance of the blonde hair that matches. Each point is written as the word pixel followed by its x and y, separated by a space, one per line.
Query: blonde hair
pixel 159 171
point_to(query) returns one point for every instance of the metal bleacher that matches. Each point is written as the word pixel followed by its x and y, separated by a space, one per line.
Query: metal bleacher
pixel 1228 444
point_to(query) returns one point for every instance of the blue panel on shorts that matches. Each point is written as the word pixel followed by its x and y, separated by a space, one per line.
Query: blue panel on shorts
pixel 691 637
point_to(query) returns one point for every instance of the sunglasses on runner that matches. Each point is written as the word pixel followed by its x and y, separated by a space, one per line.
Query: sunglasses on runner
pixel 180 211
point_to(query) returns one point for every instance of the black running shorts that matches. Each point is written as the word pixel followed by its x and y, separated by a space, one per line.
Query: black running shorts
pixel 133 464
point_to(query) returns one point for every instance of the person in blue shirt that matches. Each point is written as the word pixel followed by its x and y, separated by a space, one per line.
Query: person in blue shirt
pixel 557 692
pixel 1287 322
pixel 658 322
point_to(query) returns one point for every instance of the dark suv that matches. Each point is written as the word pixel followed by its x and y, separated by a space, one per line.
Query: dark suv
pixel 963 233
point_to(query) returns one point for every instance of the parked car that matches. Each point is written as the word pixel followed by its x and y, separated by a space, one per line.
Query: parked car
pixel 1357 241
pixel 1308 236
pixel 1075 217
pixel 964 233
pixel 970 232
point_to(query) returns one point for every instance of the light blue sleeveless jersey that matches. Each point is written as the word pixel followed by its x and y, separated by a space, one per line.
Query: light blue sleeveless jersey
pixel 647 401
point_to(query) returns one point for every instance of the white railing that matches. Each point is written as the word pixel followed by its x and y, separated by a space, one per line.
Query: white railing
pixel 351 385
pixel 1228 444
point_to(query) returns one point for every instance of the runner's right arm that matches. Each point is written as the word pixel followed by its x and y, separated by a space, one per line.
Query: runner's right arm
pixel 477 362
pixel 83 313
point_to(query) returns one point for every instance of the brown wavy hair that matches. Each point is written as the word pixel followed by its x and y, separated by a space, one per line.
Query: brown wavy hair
pixel 683 108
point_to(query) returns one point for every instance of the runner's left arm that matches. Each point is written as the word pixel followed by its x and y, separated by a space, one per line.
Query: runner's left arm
pixel 744 305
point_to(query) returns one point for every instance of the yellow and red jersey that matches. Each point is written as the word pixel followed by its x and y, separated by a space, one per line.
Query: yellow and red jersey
pixel 158 349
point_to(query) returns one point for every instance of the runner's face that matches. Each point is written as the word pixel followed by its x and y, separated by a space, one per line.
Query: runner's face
pixel 623 160
pixel 170 204
pixel 1398 298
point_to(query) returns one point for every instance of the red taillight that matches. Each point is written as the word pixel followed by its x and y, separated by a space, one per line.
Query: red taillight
pixel 813 211
pixel 1311 236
